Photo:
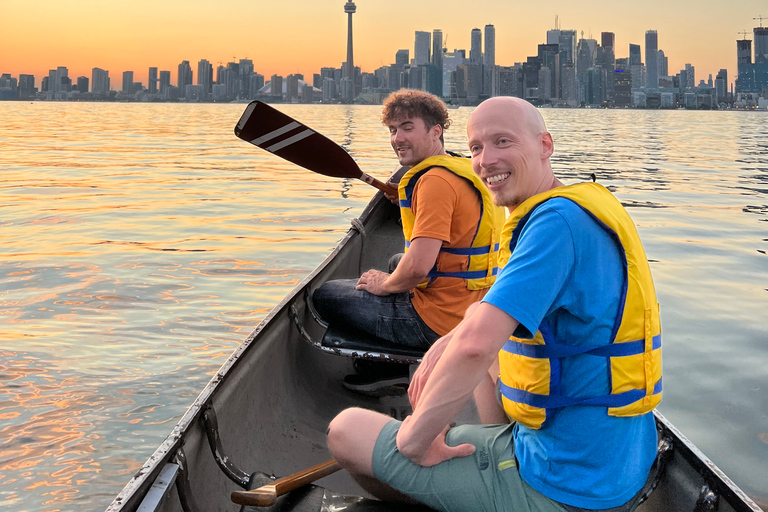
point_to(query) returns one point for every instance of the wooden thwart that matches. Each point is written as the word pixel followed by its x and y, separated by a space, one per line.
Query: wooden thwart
pixel 266 495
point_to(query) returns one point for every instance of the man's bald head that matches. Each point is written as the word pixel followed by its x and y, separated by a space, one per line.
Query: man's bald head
pixel 510 149
pixel 515 110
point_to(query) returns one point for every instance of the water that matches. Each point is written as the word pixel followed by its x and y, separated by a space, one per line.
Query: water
pixel 140 244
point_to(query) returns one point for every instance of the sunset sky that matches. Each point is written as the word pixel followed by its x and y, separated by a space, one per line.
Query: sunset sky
pixel 300 36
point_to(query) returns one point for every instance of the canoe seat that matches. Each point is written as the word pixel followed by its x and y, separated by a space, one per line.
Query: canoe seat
pixel 369 347
pixel 314 498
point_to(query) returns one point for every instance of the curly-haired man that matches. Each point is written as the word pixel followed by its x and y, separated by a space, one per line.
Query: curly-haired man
pixel 451 230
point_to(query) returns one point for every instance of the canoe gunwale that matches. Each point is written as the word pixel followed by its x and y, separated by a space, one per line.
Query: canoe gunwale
pixel 717 481
pixel 134 491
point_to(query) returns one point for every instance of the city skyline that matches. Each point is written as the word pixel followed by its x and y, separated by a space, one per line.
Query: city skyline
pixel 84 34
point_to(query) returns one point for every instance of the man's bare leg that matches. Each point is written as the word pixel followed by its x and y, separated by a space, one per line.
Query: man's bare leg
pixel 351 438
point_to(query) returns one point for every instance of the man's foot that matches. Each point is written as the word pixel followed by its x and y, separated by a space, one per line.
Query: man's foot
pixel 377 379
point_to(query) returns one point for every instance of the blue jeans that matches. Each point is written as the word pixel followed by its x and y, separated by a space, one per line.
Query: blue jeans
pixel 390 317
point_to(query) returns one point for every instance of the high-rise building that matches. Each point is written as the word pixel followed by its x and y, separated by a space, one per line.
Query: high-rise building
pixel 184 77
pixel 291 88
pixel 553 36
pixel 437 48
pixel 475 50
pixel 205 77
pixel 550 59
pixel 651 59
pixel 165 82
pixel 489 58
pixel 276 85
pixel 662 62
pixel 622 88
pixel 721 85
pixel 58 80
pixel 608 39
pixel 761 44
pixel 744 51
pixel 27 86
pixel 421 48
pixel 568 44
pixel 99 82
pixel 402 58
pixel 634 55
pixel 586 55
pixel 350 9
pixel 152 81
pixel 450 62
pixel 82 84
pixel 489 55
pixel 128 82
pixel 690 73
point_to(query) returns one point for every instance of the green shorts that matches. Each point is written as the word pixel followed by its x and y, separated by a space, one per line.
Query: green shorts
pixel 486 480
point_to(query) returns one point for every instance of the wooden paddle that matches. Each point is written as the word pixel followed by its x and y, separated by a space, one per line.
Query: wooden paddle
pixel 281 135
pixel 266 495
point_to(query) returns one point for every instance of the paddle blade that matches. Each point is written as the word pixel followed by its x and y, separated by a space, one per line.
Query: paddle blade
pixel 273 131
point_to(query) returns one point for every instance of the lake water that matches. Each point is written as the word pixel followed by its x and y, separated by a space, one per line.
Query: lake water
pixel 140 244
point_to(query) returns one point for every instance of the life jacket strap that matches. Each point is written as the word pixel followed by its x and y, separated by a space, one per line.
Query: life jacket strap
pixel 557 401
pixel 556 351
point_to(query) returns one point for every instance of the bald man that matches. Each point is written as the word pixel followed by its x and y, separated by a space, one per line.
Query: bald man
pixel 562 355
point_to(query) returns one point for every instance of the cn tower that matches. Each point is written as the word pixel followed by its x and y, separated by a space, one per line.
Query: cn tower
pixel 350 8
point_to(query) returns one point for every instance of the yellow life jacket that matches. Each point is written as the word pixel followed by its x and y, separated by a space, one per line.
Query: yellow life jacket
pixel 483 254
pixel 529 376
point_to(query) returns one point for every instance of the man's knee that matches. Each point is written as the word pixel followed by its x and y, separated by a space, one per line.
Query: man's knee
pixel 341 431
pixel 352 437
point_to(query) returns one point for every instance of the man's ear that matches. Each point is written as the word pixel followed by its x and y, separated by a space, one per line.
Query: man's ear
pixel 547 145
pixel 439 129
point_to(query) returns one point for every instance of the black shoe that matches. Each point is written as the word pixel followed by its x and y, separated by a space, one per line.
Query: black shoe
pixel 377 379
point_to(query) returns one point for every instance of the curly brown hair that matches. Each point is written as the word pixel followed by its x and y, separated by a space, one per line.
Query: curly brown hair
pixel 407 103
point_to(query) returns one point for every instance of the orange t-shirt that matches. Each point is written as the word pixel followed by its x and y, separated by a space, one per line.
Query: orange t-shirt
pixel 446 207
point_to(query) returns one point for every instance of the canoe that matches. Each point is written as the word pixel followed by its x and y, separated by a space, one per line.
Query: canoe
pixel 265 412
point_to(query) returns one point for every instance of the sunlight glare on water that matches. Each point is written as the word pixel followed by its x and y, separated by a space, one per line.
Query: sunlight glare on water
pixel 141 243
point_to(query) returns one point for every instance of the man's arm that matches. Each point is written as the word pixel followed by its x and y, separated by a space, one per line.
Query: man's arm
pixel 412 269
pixel 465 362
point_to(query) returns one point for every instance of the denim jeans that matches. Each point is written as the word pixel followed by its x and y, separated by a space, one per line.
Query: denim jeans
pixel 390 317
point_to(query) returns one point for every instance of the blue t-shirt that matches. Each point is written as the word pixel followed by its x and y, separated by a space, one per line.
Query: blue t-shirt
pixel 566 272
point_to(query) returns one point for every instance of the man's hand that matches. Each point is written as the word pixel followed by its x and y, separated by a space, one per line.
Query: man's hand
pixel 392 196
pixel 438 451
pixel 373 282
pixel 428 362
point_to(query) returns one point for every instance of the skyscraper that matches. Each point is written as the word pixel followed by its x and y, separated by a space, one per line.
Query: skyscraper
pixel 437 59
pixel 184 77
pixel 634 55
pixel 99 82
pixel 402 58
pixel 744 51
pixel 475 50
pixel 437 48
pixel 350 9
pixel 761 44
pixel 205 76
pixel 128 82
pixel 421 48
pixel 152 81
pixel 165 82
pixel 651 59
pixel 489 58
pixel 608 39
pixel 568 44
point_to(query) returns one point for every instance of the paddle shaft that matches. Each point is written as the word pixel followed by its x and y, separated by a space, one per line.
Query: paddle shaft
pixel 376 183
pixel 266 495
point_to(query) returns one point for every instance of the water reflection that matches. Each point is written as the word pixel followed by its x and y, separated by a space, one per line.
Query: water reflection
pixel 141 244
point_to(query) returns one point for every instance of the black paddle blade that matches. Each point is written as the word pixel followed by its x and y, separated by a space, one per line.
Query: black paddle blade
pixel 270 129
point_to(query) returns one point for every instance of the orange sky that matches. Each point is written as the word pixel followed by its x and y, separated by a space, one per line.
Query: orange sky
pixel 300 36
